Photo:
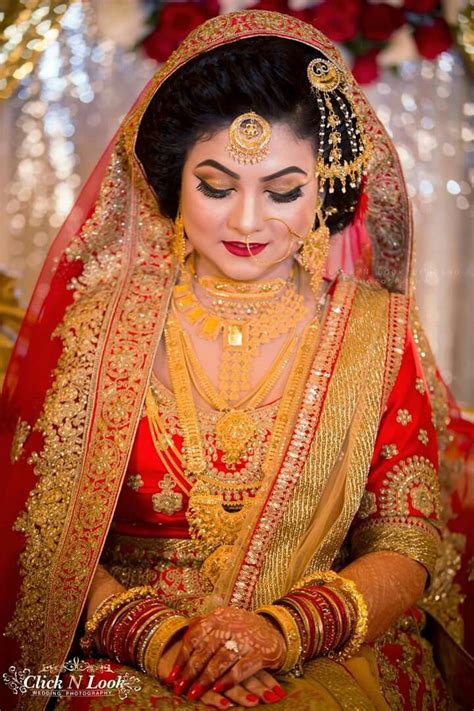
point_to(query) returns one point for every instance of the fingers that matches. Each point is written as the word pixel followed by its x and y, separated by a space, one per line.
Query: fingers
pixel 241 670
pixel 263 685
pixel 210 698
pixel 217 665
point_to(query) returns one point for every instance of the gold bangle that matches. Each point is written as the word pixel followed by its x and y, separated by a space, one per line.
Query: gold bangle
pixel 111 604
pixel 361 623
pixel 291 633
pixel 160 640
pixel 348 586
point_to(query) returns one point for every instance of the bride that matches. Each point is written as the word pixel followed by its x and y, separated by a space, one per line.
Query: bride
pixel 223 453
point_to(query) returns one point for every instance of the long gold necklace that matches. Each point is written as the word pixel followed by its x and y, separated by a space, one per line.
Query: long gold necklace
pixel 247 315
pixel 212 522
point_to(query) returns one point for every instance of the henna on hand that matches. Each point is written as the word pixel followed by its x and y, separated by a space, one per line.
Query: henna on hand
pixel 229 645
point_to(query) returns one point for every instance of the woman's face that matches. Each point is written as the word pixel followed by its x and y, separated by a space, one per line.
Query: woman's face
pixel 223 201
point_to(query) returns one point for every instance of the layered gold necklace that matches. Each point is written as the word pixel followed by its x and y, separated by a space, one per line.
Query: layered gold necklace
pixel 219 505
pixel 246 314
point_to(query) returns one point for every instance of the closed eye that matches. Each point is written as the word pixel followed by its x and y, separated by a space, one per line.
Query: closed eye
pixel 286 197
pixel 211 192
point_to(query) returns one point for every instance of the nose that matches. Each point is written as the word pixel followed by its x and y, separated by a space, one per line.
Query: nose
pixel 246 217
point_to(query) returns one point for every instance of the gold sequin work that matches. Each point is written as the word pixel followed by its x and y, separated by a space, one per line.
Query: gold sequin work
pixel 368 505
pixel 403 417
pixel 400 483
pixel 389 450
pixel 423 437
pixel 134 481
pixel 22 433
pixel 420 386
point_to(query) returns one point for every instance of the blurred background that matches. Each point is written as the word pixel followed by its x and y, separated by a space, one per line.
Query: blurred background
pixel 69 71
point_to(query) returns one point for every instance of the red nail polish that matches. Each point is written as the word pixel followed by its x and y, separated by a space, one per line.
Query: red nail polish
pixel 218 687
pixel 225 703
pixel 270 696
pixel 195 691
pixel 279 691
pixel 178 688
pixel 252 698
pixel 173 675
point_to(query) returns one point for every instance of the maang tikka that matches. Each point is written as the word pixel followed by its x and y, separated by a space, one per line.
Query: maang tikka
pixel 249 136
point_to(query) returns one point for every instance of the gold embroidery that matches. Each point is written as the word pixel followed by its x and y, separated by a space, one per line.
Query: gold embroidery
pixel 331 334
pixel 22 433
pixel 396 491
pixel 420 386
pixel 62 422
pixel 397 331
pixel 422 499
pixel 172 566
pixel 444 596
pixel 167 501
pixel 134 481
pixel 389 450
pixel 414 538
pixel 368 505
pixel 423 437
pixel 348 388
pixel 403 417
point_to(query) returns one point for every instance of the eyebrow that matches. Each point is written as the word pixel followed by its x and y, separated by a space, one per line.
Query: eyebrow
pixel 273 176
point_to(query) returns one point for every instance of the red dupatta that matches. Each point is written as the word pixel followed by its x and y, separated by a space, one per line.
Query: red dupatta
pixel 78 375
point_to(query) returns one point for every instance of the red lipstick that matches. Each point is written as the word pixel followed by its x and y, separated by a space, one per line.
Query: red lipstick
pixel 239 249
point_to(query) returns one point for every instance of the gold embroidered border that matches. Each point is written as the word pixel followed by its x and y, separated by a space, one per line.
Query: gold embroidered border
pixel 332 331
pixel 62 423
pixel 68 512
pixel 397 330
pixel 137 326
pixel 351 418
pixel 414 538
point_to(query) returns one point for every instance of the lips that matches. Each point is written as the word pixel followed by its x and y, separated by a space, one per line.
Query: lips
pixel 240 249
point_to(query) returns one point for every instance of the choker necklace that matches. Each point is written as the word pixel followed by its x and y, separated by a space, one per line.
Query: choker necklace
pixel 246 314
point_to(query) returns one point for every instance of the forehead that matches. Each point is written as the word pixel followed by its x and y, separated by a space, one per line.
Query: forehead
pixel 284 148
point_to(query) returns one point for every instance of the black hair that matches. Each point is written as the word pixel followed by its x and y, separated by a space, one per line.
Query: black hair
pixel 262 74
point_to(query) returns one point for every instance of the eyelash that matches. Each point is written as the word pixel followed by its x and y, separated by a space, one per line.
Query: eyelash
pixel 276 197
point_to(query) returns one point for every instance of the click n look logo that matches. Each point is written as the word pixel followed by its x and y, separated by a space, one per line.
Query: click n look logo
pixel 75 678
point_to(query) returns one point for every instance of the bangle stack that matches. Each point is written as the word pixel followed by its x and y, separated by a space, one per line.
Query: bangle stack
pixel 325 615
pixel 132 627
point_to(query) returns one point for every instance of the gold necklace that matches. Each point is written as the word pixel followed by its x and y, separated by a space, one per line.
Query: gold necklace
pixel 259 321
pixel 211 523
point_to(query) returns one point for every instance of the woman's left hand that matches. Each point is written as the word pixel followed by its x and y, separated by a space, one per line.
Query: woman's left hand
pixel 228 646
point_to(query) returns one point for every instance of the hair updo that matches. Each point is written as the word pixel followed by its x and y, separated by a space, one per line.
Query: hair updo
pixel 262 74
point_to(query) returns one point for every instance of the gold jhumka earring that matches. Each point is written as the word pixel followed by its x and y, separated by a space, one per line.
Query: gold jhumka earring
pixel 315 251
pixel 178 244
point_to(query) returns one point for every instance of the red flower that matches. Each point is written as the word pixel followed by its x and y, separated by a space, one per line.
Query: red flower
pixel 273 5
pixel 337 19
pixel 433 39
pixel 365 69
pixel 421 6
pixel 175 22
pixel 378 22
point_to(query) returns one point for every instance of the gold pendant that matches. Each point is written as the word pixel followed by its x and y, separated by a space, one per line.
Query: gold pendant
pixel 233 432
